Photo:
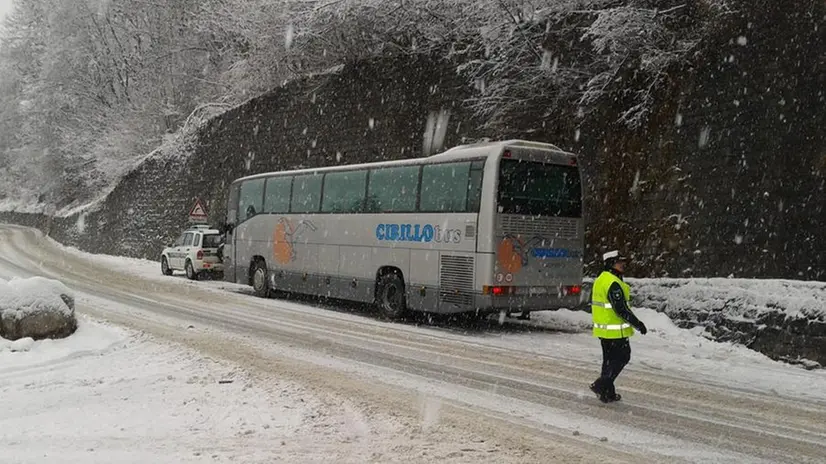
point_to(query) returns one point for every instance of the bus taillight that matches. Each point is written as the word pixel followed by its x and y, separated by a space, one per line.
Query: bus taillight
pixel 573 289
pixel 498 290
pixel 507 154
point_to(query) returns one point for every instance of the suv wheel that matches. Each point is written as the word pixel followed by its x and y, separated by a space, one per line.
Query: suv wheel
pixel 190 271
pixel 165 269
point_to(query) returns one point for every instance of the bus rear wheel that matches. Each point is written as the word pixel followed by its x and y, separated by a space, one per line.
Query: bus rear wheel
pixel 390 296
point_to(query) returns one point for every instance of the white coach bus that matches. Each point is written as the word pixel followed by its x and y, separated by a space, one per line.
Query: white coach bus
pixel 487 227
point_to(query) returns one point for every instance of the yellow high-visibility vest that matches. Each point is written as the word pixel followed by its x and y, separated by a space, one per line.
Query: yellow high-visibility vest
pixel 607 324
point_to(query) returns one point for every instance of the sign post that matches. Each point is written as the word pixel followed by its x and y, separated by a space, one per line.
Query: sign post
pixel 198 213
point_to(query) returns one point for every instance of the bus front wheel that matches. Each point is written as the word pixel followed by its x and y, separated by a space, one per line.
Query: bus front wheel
pixel 390 296
pixel 259 279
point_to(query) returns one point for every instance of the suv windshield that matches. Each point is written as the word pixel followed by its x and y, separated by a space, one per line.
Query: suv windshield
pixel 211 241
pixel 539 189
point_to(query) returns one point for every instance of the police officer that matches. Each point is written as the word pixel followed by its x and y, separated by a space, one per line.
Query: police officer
pixel 614 323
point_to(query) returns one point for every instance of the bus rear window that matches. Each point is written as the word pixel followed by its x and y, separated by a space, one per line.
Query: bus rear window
pixel 539 189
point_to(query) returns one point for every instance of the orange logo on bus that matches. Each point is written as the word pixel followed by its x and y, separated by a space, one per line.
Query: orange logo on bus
pixel 509 254
pixel 284 236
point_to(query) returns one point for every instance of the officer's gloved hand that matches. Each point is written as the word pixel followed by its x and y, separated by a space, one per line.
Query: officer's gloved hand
pixel 643 330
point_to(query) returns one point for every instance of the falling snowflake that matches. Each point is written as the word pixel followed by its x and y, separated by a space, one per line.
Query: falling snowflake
pixel 704 134
pixel 80 225
pixel 289 35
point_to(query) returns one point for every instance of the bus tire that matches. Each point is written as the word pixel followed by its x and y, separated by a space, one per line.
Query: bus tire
pixel 390 296
pixel 260 284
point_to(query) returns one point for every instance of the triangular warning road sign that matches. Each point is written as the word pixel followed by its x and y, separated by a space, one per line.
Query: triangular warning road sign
pixel 198 212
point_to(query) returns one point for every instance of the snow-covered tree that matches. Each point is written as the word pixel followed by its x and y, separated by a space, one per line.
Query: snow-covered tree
pixel 89 87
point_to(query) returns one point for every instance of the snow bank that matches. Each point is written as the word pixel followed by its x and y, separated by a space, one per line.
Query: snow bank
pixel 36 307
pixel 785 320
pixel 745 299
pixel 579 321
pixel 669 349
pixel 90 338
pixel 782 319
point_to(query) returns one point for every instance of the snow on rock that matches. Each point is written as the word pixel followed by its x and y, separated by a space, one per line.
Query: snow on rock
pixel 21 344
pixel 746 299
pixel 785 320
pixel 36 307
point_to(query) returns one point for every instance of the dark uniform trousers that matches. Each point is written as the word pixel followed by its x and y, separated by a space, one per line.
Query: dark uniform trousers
pixel 616 353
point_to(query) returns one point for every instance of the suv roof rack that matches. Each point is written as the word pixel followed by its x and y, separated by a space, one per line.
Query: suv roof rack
pixel 200 226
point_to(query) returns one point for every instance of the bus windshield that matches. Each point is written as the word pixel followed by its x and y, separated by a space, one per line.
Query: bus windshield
pixel 539 189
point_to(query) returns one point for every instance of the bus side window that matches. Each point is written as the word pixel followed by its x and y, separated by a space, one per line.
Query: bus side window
pixel 393 190
pixel 474 187
pixel 277 194
pixel 306 196
pixel 444 188
pixel 344 192
pixel 251 199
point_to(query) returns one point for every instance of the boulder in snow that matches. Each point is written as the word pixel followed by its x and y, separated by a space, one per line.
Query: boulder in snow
pixel 37 308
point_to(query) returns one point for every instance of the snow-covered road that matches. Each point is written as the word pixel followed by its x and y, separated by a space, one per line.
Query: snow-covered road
pixel 107 395
pixel 512 394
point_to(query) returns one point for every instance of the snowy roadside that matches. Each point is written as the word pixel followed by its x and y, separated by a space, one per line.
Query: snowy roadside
pixel 106 394
pixel 670 349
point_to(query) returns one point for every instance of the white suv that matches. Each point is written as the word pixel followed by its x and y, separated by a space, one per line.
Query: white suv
pixel 195 251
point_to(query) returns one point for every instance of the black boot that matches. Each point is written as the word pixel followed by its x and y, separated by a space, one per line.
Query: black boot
pixel 599 390
pixel 611 394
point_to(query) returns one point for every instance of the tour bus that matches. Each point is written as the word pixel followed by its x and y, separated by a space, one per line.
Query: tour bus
pixel 486 227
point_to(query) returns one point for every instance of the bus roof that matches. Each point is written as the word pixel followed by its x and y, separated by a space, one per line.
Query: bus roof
pixel 457 153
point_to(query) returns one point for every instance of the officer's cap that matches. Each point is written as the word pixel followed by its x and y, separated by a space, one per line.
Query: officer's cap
pixel 613 256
